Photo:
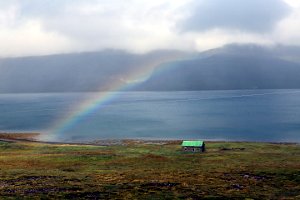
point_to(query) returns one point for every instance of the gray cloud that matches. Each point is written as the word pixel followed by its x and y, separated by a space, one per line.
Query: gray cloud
pixel 55 26
pixel 45 8
pixel 246 15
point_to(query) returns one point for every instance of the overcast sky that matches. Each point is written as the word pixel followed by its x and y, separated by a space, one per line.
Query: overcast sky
pixel 35 27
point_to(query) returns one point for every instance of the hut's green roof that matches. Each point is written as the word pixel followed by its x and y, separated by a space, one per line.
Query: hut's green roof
pixel 192 143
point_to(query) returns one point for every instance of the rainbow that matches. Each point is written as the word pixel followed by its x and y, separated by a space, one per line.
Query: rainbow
pixel 89 106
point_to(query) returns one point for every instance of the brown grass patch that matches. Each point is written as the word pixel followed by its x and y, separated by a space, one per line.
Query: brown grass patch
pixel 19 136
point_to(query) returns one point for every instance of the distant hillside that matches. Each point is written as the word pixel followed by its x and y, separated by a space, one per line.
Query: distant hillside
pixel 92 71
pixel 230 67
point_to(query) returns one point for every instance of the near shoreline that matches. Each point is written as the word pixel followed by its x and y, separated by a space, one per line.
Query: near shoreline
pixel 35 137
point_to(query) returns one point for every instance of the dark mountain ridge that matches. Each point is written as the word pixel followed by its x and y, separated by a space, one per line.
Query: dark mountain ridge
pixel 74 72
pixel 229 67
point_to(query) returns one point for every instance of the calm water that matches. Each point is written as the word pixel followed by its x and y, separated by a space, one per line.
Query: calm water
pixel 252 115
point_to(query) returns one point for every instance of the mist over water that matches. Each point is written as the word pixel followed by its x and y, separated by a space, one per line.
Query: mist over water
pixel 243 115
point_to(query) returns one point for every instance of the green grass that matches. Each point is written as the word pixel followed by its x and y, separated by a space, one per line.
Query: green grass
pixel 149 171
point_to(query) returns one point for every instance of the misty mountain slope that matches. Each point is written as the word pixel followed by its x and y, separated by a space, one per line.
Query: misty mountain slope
pixel 231 67
pixel 91 71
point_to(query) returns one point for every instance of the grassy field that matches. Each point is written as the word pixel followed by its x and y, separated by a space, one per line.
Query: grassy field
pixel 142 170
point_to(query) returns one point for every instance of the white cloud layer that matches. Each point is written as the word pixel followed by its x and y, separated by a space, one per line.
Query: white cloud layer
pixel 34 27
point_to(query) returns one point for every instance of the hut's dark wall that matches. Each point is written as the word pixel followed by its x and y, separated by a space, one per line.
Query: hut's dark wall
pixel 192 149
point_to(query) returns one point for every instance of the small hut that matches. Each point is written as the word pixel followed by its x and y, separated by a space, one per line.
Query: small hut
pixel 193 146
